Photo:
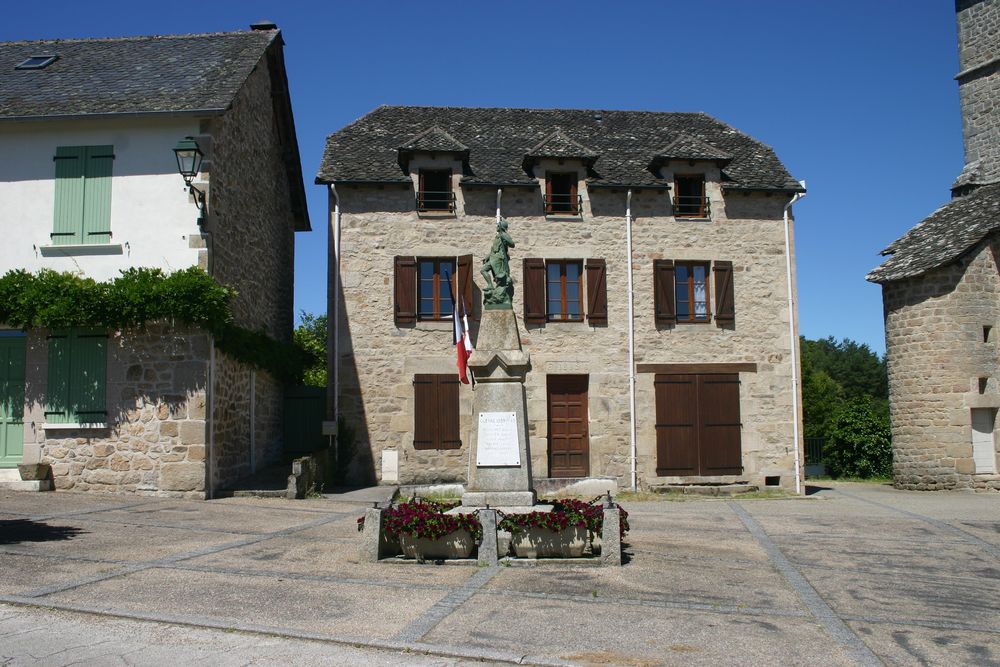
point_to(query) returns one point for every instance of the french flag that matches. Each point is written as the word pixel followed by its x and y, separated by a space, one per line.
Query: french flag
pixel 463 344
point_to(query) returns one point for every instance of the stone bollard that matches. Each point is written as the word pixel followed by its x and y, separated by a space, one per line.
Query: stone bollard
pixel 372 540
pixel 488 547
pixel 611 541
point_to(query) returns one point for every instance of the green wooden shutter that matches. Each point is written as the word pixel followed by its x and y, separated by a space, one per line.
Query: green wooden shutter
pixel 57 394
pixel 88 378
pixel 97 194
pixel 70 170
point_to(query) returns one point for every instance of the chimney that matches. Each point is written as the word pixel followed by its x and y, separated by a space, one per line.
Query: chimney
pixel 264 24
pixel 979 91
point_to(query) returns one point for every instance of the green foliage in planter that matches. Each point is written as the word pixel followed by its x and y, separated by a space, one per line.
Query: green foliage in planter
pixel 860 443
pixel 138 296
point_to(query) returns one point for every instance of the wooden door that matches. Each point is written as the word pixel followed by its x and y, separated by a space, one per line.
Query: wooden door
pixel 698 425
pixel 11 400
pixel 569 435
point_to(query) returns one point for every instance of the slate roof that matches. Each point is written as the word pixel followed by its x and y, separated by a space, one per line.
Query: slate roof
pixel 558 145
pixel 942 237
pixel 434 139
pixel 685 147
pixel 624 142
pixel 129 75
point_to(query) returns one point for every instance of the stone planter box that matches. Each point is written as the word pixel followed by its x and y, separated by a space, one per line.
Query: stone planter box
pixel 458 544
pixel 32 472
pixel 543 543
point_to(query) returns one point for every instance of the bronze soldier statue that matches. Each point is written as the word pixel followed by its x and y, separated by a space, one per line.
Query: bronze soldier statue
pixel 496 269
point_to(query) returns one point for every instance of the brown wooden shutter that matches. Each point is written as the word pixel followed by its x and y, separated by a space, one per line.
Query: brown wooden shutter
pixel 663 291
pixel 597 291
pixel 465 299
pixel 548 194
pixel 449 435
pixel 719 425
pixel 725 311
pixel 405 291
pixel 424 412
pixel 534 291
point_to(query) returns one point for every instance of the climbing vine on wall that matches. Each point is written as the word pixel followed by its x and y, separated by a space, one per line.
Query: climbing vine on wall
pixel 138 296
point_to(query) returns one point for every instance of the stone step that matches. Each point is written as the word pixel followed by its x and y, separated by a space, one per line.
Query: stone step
pixel 724 490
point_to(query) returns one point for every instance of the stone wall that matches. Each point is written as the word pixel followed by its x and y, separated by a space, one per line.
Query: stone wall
pixel 936 353
pixel 378 360
pixel 979 85
pixel 252 227
pixel 155 440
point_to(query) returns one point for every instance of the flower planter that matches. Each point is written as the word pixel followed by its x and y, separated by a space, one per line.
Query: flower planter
pixel 457 544
pixel 31 472
pixel 543 543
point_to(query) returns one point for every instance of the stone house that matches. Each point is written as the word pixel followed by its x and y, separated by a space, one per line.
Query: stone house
pixel 91 186
pixel 654 288
pixel 941 295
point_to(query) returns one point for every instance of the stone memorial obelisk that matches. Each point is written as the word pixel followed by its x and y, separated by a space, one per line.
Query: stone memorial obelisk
pixel 499 465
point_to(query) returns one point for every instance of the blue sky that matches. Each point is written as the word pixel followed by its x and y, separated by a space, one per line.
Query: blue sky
pixel 857 98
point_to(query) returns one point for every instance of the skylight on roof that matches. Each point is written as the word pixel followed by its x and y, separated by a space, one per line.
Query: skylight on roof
pixel 38 62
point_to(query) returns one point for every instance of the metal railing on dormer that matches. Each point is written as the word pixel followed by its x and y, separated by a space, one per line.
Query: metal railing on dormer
pixel 691 206
pixel 565 204
pixel 436 201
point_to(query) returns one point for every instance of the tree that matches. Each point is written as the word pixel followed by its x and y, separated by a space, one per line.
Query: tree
pixel 822 399
pixel 852 365
pixel 311 335
pixel 859 443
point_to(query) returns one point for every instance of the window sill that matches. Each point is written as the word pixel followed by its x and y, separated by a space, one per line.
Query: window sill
pixel 437 214
pixel 73 427
pixel 693 218
pixel 435 325
pixel 81 250
pixel 563 216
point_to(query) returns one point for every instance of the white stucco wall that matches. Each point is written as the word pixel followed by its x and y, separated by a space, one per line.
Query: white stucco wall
pixel 152 215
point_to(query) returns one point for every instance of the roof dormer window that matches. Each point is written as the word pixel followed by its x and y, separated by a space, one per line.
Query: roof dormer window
pixel 689 196
pixel 435 193
pixel 561 197
pixel 38 62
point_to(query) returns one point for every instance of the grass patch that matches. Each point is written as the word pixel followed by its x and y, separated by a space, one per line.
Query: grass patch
pixel 857 480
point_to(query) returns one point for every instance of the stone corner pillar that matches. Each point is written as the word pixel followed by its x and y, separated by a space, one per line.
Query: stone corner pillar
pixel 372 541
pixel 488 554
pixel 611 543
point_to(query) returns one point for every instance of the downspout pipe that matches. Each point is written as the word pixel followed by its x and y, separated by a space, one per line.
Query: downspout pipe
pixel 333 341
pixel 631 341
pixel 210 456
pixel 499 195
pixel 793 340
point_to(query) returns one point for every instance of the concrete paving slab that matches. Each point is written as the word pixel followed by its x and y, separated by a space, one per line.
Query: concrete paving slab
pixel 64 502
pixel 19 572
pixel 348 610
pixel 225 518
pixel 635 635
pixel 910 645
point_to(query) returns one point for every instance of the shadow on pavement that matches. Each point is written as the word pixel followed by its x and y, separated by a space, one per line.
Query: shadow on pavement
pixel 24 530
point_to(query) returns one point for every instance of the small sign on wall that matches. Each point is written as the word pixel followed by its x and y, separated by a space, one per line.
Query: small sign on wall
pixel 390 465
pixel 497 443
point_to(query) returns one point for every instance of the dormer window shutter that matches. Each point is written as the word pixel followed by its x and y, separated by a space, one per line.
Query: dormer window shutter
pixel 534 291
pixel 405 290
pixel 663 290
pixel 597 291
pixel 725 309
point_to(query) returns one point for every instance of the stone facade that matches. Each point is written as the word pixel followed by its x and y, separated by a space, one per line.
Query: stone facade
pixel 378 359
pixel 937 353
pixel 979 87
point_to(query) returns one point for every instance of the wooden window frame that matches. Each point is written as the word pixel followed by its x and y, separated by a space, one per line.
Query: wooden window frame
pixel 573 204
pixel 702 204
pixel 446 206
pixel 436 315
pixel 689 266
pixel 563 315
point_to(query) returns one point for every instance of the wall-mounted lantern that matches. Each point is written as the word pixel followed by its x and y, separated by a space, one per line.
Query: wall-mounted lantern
pixel 189 157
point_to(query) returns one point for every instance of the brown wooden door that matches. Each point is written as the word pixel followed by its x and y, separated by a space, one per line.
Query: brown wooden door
pixel 569 439
pixel 698 425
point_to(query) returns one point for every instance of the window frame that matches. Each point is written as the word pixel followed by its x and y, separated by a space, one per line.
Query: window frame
pixel 681 209
pixel 436 315
pixel 573 204
pixel 563 315
pixel 447 203
pixel 689 265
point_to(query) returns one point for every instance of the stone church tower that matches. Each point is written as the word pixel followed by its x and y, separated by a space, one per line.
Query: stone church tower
pixel 941 295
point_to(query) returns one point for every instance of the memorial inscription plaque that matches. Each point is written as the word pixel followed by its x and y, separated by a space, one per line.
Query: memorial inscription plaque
pixel 497 440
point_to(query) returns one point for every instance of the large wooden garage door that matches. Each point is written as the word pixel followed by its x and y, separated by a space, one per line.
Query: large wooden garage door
pixel 569 439
pixel 698 425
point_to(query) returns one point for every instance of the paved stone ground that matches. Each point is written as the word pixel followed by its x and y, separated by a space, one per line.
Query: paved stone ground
pixel 853 574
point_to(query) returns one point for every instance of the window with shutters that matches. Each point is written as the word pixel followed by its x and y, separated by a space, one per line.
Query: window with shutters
pixel 682 289
pixel 77 377
pixel 435 412
pixel 425 288
pixel 691 289
pixel 83 195
pixel 689 197
pixel 436 289
pixel 435 193
pixel 564 290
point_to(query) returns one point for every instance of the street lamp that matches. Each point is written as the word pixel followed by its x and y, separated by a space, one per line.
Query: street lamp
pixel 189 157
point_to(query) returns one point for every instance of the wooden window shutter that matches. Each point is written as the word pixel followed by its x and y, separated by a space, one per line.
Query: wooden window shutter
pixel 597 291
pixel 57 404
pixel 725 310
pixel 424 412
pixel 97 194
pixel 534 291
pixel 405 290
pixel 465 300
pixel 448 432
pixel 88 376
pixel 69 197
pixel 663 290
